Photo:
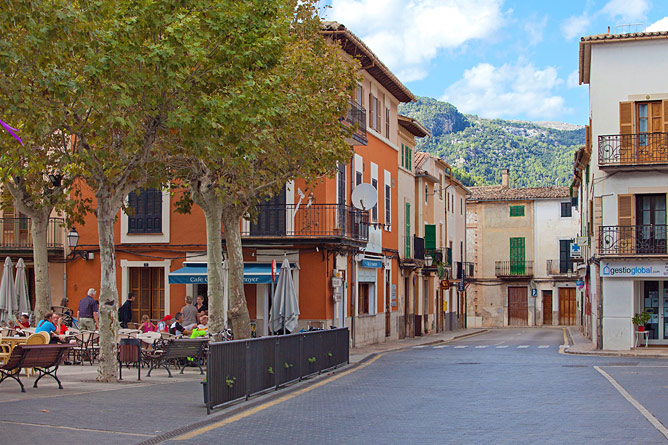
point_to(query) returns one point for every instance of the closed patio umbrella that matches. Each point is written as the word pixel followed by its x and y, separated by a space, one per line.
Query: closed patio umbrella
pixel 7 296
pixel 285 307
pixel 21 287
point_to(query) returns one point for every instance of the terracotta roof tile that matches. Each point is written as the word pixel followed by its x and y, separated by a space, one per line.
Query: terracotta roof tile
pixel 501 193
pixel 420 158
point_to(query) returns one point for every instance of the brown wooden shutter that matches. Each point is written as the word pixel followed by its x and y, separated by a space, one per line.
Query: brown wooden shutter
pixel 587 138
pixel 378 108
pixel 626 130
pixel 664 107
pixel 625 234
pixel 371 117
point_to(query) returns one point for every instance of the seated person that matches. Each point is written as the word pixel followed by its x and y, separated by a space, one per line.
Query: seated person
pixel 47 325
pixel 202 308
pixel 204 322
pixel 202 329
pixel 163 325
pixel 146 325
pixel 177 328
pixel 61 329
pixel 23 321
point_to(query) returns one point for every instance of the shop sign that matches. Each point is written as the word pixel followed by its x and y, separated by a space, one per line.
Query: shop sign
pixel 580 284
pixel 634 269
pixel 372 264
pixel 576 251
pixel 394 296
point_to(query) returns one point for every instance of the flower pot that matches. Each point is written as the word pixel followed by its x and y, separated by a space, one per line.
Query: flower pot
pixel 641 328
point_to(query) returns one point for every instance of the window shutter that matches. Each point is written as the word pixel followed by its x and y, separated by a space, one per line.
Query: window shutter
pixel 625 210
pixel 587 138
pixel 626 117
pixel 656 116
pixel 402 155
pixel 371 116
pixel 378 114
pixel 408 230
pixel 430 236
pixel 664 107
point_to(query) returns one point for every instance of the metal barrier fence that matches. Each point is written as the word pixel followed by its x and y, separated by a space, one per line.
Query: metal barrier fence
pixel 241 368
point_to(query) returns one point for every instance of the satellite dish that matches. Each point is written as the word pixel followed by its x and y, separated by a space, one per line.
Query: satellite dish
pixel 364 196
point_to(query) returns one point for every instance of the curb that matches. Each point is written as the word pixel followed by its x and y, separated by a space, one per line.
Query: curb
pixel 615 354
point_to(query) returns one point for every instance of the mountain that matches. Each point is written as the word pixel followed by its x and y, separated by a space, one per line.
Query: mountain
pixel 537 153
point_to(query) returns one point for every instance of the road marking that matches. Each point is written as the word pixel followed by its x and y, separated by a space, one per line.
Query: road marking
pixel 522 346
pixel 419 347
pixel 441 346
pixel 71 428
pixel 502 347
pixel 266 405
pixel 481 347
pixel 565 338
pixel 644 411
pixel 543 346
pixel 460 347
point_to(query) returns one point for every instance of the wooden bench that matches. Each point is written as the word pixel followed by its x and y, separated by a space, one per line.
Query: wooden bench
pixel 179 349
pixel 39 357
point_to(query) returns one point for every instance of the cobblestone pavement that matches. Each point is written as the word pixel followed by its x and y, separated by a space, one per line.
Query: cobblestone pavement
pixel 504 386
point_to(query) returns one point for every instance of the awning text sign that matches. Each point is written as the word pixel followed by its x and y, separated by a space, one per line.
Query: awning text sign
pixel 631 269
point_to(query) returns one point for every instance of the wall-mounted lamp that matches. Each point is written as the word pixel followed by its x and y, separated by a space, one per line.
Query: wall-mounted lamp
pixel 428 260
pixel 72 241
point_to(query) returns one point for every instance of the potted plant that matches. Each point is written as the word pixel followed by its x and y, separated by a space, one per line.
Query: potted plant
pixel 641 320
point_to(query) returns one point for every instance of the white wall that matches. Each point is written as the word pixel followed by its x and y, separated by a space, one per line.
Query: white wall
pixel 550 227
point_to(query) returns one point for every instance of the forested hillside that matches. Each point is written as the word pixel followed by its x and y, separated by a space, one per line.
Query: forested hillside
pixel 536 155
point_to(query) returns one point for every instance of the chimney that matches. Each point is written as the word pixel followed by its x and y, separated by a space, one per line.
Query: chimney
pixel 504 177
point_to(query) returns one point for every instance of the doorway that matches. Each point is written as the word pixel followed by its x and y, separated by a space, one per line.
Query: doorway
pixel 567 306
pixel 655 301
pixel 148 285
pixel 547 308
pixel 518 307
pixel 651 216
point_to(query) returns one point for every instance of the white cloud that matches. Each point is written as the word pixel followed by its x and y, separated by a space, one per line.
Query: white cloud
pixel 573 79
pixel 661 25
pixel 535 28
pixel 575 26
pixel 508 91
pixel 626 9
pixel 407 35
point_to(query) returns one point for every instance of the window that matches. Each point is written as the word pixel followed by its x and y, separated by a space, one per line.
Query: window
pixel 440 185
pixel 517 210
pixel 374 112
pixel 461 206
pixel 430 236
pixel 364 291
pixel 388 221
pixel 426 193
pixel 374 210
pixel 387 122
pixel 341 188
pixel 566 210
pixel 358 94
pixel 408 230
pixel 146 211
pixel 407 153
pixel 447 201
pixel 403 148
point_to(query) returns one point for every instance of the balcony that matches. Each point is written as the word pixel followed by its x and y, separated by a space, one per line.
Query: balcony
pixel 463 270
pixel 356 118
pixel 626 151
pixel 514 269
pixel 317 222
pixel 558 267
pixel 632 240
pixel 16 234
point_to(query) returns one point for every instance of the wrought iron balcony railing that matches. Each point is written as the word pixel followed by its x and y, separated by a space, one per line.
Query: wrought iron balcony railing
pixel 314 221
pixel 16 234
pixel 514 268
pixel 559 267
pixel 463 270
pixel 632 149
pixel 632 240
pixel 356 117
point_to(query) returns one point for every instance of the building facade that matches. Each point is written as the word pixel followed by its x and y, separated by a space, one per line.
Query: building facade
pixel 520 244
pixel 624 186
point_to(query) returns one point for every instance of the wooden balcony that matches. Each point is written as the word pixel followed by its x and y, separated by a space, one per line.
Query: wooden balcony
pixel 16 236
pixel 334 223
pixel 513 269
pixel 648 240
pixel 633 151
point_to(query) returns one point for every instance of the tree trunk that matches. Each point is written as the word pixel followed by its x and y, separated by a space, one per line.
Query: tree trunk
pixel 214 258
pixel 38 228
pixel 237 313
pixel 106 214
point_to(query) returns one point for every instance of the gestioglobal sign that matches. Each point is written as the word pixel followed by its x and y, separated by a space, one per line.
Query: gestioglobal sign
pixel 612 269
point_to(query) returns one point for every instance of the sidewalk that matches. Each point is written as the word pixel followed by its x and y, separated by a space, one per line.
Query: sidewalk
pixel 362 352
pixel 581 345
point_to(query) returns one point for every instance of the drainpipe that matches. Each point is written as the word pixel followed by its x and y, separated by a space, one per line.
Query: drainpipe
pixel 353 292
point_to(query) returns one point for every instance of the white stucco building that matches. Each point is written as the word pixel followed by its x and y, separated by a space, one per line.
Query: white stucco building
pixel 624 186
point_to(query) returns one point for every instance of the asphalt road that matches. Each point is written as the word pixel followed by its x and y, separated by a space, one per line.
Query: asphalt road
pixel 505 386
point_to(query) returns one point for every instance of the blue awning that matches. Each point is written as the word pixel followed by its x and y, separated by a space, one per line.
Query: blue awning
pixel 195 273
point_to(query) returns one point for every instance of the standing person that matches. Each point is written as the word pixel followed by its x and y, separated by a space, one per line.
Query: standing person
pixel 87 312
pixel 202 309
pixel 189 314
pixel 125 311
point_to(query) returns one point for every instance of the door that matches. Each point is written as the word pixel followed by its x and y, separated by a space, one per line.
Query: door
pixel 517 256
pixel 148 284
pixel 567 306
pixel 651 217
pixel 547 308
pixel 518 307
pixel 388 297
pixel 565 256
pixel 271 219
pixel 649 122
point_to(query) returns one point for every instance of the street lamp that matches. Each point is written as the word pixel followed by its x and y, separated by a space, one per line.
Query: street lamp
pixel 428 260
pixel 72 241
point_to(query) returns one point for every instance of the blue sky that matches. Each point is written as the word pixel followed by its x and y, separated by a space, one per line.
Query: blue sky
pixel 512 59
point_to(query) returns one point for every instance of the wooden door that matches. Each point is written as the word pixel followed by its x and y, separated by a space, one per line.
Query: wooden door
pixel 567 306
pixel 547 308
pixel 518 307
pixel 148 284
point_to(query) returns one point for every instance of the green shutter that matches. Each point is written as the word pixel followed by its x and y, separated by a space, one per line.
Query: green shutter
pixel 430 236
pixel 410 159
pixel 517 210
pixel 408 230
pixel 517 256
pixel 402 155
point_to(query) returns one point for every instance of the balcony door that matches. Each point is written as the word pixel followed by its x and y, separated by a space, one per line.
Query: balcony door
pixel 271 218
pixel 517 263
pixel 651 217
pixel 649 119
pixel 565 263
